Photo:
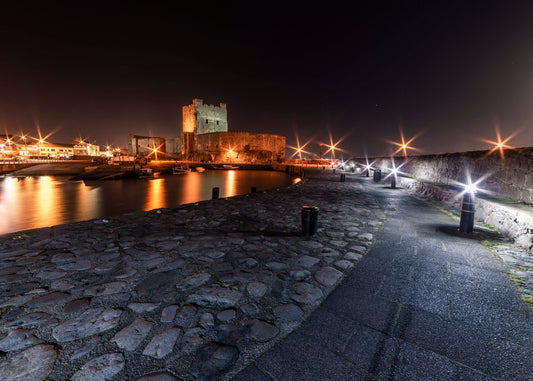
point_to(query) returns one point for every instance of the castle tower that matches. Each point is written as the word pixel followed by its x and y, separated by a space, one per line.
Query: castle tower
pixel 200 118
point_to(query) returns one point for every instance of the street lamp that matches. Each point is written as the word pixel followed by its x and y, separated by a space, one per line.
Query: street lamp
pixel 393 173
pixel 393 179
pixel 466 225
pixel 368 167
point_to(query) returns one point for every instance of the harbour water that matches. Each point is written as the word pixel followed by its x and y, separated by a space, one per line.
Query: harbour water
pixel 35 202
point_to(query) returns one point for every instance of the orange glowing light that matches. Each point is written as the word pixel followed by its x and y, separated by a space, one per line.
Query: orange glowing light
pixel 41 139
pixel 500 144
pixel 334 146
pixel 154 150
pixel 404 146
pixel 298 150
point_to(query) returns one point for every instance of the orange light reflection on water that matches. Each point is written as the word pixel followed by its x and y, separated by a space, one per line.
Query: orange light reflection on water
pixel 155 197
pixel 230 185
pixel 88 203
pixel 36 202
pixel 190 188
pixel 45 192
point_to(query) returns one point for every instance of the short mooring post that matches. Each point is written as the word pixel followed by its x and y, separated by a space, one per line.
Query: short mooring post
pixel 215 193
pixel 254 189
pixel 309 220
pixel 377 175
pixel 343 177
pixel 393 181
pixel 466 225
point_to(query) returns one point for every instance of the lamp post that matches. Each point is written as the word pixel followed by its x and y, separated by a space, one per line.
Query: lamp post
pixel 368 168
pixel 466 225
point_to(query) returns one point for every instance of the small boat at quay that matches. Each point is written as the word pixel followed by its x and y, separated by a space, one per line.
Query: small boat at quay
pixel 179 169
pixel 146 172
pixel 226 166
pixel 199 169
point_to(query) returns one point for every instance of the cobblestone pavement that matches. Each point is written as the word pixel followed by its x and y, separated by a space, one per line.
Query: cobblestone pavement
pixel 191 292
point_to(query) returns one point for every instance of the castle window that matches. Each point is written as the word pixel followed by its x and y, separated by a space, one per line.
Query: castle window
pixel 206 121
pixel 217 122
pixel 207 146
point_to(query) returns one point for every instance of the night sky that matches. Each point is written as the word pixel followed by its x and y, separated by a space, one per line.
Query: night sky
pixel 454 70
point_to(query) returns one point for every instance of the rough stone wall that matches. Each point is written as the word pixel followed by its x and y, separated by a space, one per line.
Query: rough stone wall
pixel 174 146
pixel 510 177
pixel 245 147
pixel 203 119
pixel 513 220
pixel 189 118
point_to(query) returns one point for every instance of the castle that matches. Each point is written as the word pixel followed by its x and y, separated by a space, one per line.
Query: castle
pixel 206 137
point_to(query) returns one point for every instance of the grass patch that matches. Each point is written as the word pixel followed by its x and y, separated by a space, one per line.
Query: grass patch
pixel 528 299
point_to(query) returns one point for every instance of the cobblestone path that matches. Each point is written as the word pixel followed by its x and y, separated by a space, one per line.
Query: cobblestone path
pixel 192 292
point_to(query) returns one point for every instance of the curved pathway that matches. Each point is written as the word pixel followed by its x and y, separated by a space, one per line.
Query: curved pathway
pixel 426 303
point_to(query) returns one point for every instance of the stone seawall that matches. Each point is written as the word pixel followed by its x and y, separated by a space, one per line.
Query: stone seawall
pixel 510 177
pixel 7 168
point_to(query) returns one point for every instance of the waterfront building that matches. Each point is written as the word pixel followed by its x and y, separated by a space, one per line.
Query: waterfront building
pixel 205 136
pixel 143 146
pixel 173 147
pixel 8 148
pixel 45 150
pixel 82 147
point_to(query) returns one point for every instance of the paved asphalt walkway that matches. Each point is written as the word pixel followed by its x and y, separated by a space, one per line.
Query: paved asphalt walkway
pixel 424 304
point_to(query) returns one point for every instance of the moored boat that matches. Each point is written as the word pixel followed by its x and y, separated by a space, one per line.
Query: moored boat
pixel 179 169
pixel 146 172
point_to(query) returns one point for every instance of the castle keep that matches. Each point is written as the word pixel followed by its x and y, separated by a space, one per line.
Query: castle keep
pixel 206 137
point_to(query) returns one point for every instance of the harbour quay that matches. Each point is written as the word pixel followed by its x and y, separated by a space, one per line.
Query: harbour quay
pixel 191 292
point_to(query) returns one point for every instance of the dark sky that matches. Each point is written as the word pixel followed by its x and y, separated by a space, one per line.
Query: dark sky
pixel 452 69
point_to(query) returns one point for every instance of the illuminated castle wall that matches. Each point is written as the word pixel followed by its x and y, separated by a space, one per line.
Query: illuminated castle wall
pixel 203 119
pixel 240 147
pixel 206 137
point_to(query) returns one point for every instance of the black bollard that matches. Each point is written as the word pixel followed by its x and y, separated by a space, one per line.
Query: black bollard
pixel 333 170
pixel 343 177
pixel 368 173
pixel 353 169
pixel 377 175
pixel 215 193
pixel 393 182
pixel 254 189
pixel 309 220
pixel 466 225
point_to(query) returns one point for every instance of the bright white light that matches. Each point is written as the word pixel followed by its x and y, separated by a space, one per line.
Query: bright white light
pixel 471 188
pixel 395 170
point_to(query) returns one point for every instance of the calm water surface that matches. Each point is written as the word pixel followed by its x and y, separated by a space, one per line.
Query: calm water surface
pixel 34 202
